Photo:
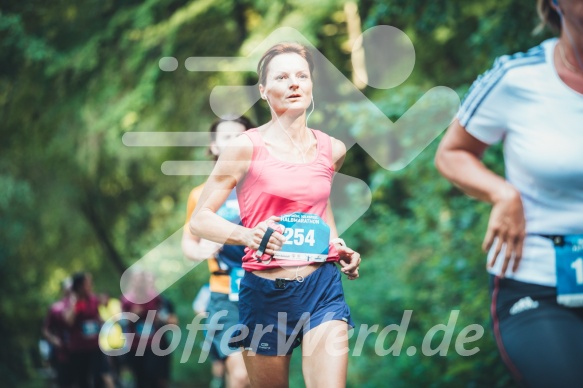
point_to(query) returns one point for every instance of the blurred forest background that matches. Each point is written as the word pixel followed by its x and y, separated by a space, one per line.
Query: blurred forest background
pixel 76 76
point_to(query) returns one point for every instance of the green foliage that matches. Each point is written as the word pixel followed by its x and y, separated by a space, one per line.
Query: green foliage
pixel 76 76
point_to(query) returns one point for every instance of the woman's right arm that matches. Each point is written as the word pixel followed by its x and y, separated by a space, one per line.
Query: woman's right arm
pixel 458 160
pixel 231 168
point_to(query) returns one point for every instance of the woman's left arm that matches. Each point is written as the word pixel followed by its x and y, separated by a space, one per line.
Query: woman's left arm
pixel 349 259
pixel 330 221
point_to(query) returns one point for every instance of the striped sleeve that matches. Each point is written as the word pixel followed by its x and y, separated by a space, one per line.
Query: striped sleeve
pixel 487 105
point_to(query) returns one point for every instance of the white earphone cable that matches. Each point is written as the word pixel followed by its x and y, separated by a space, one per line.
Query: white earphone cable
pixel 302 153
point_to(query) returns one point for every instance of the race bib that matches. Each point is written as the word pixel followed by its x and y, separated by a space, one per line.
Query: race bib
pixel 569 265
pixel 236 275
pixel 307 238
pixel 90 328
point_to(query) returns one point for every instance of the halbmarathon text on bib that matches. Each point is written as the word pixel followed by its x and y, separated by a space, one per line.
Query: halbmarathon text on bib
pixel 307 237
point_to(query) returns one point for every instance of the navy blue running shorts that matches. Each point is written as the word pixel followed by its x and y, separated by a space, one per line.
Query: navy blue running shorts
pixel 273 316
pixel 540 341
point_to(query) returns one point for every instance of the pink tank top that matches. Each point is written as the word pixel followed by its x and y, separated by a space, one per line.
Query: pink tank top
pixel 275 187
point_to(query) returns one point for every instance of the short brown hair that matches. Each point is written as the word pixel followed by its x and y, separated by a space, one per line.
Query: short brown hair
pixel 283 48
pixel 243 120
pixel 549 17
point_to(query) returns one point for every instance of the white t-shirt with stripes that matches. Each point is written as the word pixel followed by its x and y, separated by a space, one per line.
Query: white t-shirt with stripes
pixel 523 102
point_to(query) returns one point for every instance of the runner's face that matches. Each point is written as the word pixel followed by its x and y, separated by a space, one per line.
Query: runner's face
pixel 288 84
pixel 225 132
pixel 140 283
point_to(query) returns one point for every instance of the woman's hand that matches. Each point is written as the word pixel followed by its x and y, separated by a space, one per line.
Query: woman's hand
pixel 55 341
pixel 255 235
pixel 506 228
pixel 349 260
